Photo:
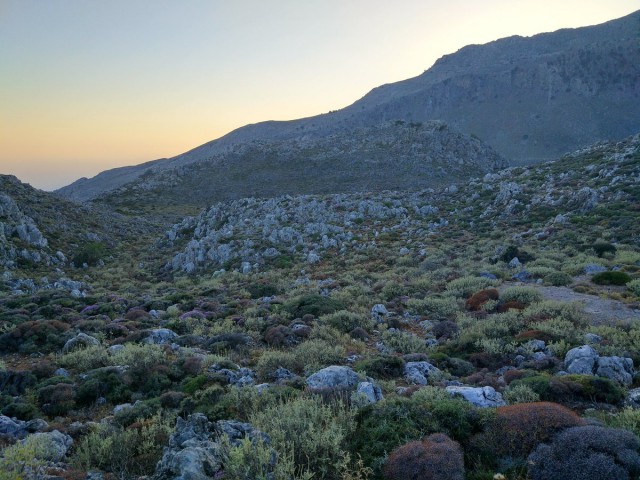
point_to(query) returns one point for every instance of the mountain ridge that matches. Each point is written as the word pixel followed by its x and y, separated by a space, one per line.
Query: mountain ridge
pixel 530 98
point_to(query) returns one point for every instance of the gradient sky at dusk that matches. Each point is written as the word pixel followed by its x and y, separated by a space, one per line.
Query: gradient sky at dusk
pixel 87 85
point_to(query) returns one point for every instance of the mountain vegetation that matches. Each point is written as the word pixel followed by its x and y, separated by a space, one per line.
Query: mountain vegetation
pixel 405 303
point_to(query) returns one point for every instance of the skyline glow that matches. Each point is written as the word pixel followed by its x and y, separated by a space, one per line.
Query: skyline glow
pixel 87 86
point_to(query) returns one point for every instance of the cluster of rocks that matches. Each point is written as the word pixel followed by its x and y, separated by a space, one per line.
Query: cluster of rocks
pixel 255 231
pixel 21 286
pixel 20 238
pixel 585 360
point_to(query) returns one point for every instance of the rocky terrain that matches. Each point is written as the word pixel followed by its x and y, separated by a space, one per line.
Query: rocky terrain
pixel 456 331
pixel 530 99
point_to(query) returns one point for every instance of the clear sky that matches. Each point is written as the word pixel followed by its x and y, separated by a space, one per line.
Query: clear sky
pixel 87 85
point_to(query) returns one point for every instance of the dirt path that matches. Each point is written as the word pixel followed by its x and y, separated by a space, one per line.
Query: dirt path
pixel 599 310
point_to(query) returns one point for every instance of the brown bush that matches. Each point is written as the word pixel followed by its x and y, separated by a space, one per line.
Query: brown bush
pixel 57 399
pixel 445 330
pixel 511 375
pixel 136 314
pixel 478 299
pixel 517 429
pixel 279 336
pixel 535 335
pixel 192 365
pixel 513 304
pixel 437 457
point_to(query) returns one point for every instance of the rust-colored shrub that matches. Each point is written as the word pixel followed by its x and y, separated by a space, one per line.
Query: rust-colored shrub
pixel 534 335
pixel 511 375
pixel 136 314
pixel 192 365
pixel 436 457
pixel 57 399
pixel 513 304
pixel 445 329
pixel 478 299
pixel 517 429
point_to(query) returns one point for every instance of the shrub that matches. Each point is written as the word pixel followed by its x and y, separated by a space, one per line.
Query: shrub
pixel 94 356
pixel 512 251
pixel 403 342
pixel 517 429
pixel 90 253
pixel 56 399
pixel 445 330
pixel 26 459
pixel 312 304
pixel 35 336
pixel 314 433
pixel 437 457
pixel 271 360
pixel 125 452
pixel 439 308
pixel 316 354
pixel 526 295
pixel 557 279
pixel 102 383
pixel 279 336
pixel 611 278
pixel 602 247
pixel 634 287
pixel 345 321
pixel 520 394
pixel 465 286
pixel 382 367
pixel 478 299
pixel 588 453
pixel 572 388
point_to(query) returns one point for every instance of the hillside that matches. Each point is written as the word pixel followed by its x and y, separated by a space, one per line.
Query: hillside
pixel 531 99
pixel 394 155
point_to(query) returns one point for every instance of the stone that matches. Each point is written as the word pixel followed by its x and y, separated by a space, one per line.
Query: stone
pixel 581 360
pixel 12 427
pixel 418 373
pixel 161 336
pixel 379 313
pixel 522 276
pixel 483 397
pixel 514 263
pixel 633 399
pixel 82 340
pixel 618 369
pixel 333 377
pixel 370 392
pixel 592 338
pixel 57 444
pixel 593 268
pixel 488 275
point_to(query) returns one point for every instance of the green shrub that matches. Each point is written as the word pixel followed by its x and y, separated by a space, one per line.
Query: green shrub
pixel 526 295
pixel 464 287
pixel 381 367
pixel 404 342
pixel 611 278
pixel 105 383
pixel 271 360
pixel 345 321
pixel 25 459
pixel 125 452
pixel 557 279
pixel 90 253
pixel 573 388
pixel 94 356
pixel 315 354
pixel 312 432
pixel 312 304
pixel 602 247
pixel 439 308
pixel 634 287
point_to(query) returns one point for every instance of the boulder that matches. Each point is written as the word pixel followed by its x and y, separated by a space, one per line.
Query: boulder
pixel 618 369
pixel 56 445
pixel 592 268
pixel 581 360
pixel 379 313
pixel 482 397
pixel 333 377
pixel 370 392
pixel 418 373
pixel 161 336
pixel 633 398
pixel 82 340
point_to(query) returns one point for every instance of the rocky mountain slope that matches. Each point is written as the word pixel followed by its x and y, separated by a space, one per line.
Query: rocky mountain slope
pixel 40 230
pixel 393 155
pixel 531 99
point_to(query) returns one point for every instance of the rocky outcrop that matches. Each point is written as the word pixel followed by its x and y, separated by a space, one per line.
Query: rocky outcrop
pixel 335 376
pixel 585 360
pixel 483 397
pixel 418 373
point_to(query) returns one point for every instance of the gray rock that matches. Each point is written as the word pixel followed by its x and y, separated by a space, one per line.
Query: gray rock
pixel 633 399
pixel 482 397
pixel 618 369
pixel 62 372
pixel 418 373
pixel 161 336
pixel 56 445
pixel 488 275
pixel 12 427
pixel 592 268
pixel 113 349
pixel 515 263
pixel 379 313
pixel 333 377
pixel 371 392
pixel 121 408
pixel 592 338
pixel 523 276
pixel 82 340
pixel 535 345
pixel 581 360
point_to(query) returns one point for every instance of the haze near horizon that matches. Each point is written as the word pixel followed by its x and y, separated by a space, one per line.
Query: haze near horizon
pixel 88 86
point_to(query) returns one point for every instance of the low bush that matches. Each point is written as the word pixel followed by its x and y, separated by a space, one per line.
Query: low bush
pixel 611 278
pixel 465 286
pixel 90 253
pixel 478 299
pixel 312 304
pixel 383 367
pixel 345 321
pixel 588 453
pixel 437 457
pixel 526 295
pixel 557 279
pixel 573 388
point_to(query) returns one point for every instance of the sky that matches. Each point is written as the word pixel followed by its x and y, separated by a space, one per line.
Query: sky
pixel 88 85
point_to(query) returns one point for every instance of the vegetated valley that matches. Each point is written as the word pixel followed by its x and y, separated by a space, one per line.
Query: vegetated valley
pixel 482 326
